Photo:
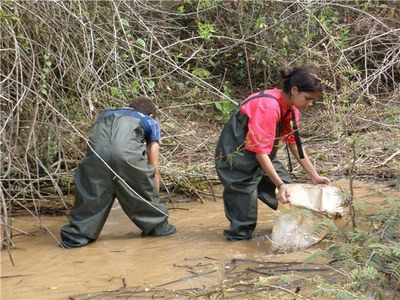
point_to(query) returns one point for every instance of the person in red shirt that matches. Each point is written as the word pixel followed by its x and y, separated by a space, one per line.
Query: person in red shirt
pixel 245 157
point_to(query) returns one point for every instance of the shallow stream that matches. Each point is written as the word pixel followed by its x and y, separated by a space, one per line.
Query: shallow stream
pixel 122 259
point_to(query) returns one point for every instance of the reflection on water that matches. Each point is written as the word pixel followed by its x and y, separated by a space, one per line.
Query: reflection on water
pixel 122 258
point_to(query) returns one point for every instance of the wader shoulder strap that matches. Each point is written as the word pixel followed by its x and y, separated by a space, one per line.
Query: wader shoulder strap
pixel 297 136
pixel 127 112
pixel 261 94
pixel 279 126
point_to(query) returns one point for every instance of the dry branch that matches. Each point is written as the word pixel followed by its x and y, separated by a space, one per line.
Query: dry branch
pixel 63 62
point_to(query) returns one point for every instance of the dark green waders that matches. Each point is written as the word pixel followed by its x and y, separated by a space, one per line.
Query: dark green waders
pixel 243 178
pixel 117 139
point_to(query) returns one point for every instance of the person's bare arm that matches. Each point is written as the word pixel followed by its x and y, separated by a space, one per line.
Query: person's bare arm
pixel 153 150
pixel 266 164
pixel 308 166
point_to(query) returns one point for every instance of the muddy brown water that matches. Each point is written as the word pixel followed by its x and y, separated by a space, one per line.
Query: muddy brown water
pixel 121 258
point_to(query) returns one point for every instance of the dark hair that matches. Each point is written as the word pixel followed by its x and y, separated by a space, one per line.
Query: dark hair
pixel 144 105
pixel 305 78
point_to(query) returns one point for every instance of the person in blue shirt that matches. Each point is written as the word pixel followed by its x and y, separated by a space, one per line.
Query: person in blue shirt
pixel 122 162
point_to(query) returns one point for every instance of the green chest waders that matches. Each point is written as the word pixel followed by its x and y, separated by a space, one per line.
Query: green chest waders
pixel 243 179
pixel 118 140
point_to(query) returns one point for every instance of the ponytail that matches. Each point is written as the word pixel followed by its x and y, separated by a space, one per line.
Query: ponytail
pixel 305 78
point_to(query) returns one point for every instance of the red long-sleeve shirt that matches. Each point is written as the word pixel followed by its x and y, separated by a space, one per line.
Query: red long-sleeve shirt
pixel 264 115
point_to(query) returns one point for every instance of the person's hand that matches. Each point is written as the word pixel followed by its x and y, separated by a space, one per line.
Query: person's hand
pixel 283 194
pixel 321 180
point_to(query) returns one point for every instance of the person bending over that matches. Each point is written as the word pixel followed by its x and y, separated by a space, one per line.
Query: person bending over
pixel 245 157
pixel 121 162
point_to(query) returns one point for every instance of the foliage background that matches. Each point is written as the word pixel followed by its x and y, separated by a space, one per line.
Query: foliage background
pixel 64 61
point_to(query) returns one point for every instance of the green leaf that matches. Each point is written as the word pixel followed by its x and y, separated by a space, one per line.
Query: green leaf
pixel 201 73
pixel 135 85
pixel 141 42
pixel 181 9
pixel 124 23
pixel 151 84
